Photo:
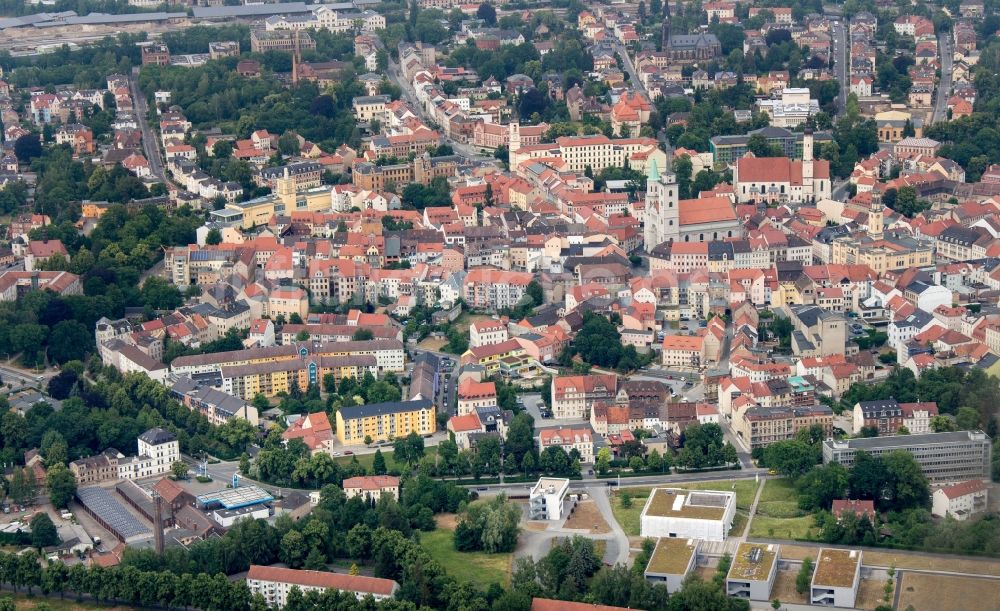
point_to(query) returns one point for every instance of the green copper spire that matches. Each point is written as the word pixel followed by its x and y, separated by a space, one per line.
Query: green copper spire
pixel 654 172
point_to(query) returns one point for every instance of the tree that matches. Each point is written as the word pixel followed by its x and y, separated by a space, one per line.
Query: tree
pixel 69 341
pixel 804 579
pixel 942 424
pixel 603 460
pixel 23 488
pixel 43 531
pixel 293 549
pixel 288 144
pixel 534 291
pixel 362 334
pixel 683 168
pixel 53 448
pixel 62 485
pixel 487 13
pixel 27 147
pixel 179 469
pixel 409 449
pixel 378 463
pixel 967 419
pixel 213 237
pixel 760 147
pixel 906 485
pixel 791 457
pixel 819 487
pixel 492 527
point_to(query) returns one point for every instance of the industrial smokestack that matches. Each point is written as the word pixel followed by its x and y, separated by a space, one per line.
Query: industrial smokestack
pixel 158 523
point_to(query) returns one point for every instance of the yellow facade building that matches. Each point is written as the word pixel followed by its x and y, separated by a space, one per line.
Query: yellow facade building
pixel 385 421
pixel 272 378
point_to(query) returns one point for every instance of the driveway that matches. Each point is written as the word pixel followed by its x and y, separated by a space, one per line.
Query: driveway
pixel 536 544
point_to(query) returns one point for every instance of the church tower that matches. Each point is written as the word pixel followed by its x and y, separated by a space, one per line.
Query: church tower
pixel 514 132
pixel 809 190
pixel 662 221
pixel 285 187
pixel 876 216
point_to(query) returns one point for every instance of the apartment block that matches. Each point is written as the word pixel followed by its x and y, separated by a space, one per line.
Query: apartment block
pixel 274 584
pixel 385 421
pixel 575 396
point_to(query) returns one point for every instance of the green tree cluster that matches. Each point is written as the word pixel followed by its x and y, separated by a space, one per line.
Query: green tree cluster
pixel 491 527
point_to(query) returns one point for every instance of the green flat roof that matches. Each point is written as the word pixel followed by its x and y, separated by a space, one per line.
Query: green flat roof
pixel 672 556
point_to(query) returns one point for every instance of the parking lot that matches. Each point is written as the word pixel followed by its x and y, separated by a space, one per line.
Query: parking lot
pixel 533 404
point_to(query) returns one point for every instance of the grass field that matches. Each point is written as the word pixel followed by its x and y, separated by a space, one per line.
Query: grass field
pixel 473 567
pixel 366 459
pixel 628 518
pixel 778 514
pixel 948 592
pixel 24 603
pixel 782 528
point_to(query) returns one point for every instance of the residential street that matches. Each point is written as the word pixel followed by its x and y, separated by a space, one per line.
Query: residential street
pixel 943 92
pixel 840 62
pixel 150 143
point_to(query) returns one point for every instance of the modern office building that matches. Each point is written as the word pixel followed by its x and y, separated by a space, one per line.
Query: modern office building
pixel 671 562
pixel 688 514
pixel 944 457
pixel 546 500
pixel 836 577
pixel 751 575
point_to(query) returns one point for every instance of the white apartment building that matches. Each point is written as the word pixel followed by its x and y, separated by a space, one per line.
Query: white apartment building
pixel 274 584
pixel 487 333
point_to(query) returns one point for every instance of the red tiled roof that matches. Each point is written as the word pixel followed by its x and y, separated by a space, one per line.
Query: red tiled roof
pixel 371 482
pixel 318 579
pixel 961 489
pixel 705 210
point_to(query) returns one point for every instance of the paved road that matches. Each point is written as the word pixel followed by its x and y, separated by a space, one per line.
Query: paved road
pixel 150 143
pixel 25 377
pixel 648 480
pixel 841 63
pixel 630 69
pixel 943 92
pixel 839 192
pixel 618 544
pixel 410 97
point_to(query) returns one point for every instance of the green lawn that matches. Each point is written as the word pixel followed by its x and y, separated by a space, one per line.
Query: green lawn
pixel 778 490
pixel 779 499
pixel 628 518
pixel 778 514
pixel 24 603
pixel 473 567
pixel 783 528
pixel 366 459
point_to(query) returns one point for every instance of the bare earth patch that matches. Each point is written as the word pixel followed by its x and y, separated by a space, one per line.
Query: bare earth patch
pixel 588 517
pixel 535 526
pixel 432 344
pixel 447 521
pixel 870 593
pixel 948 592
pixel 902 560
pixel 784 587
